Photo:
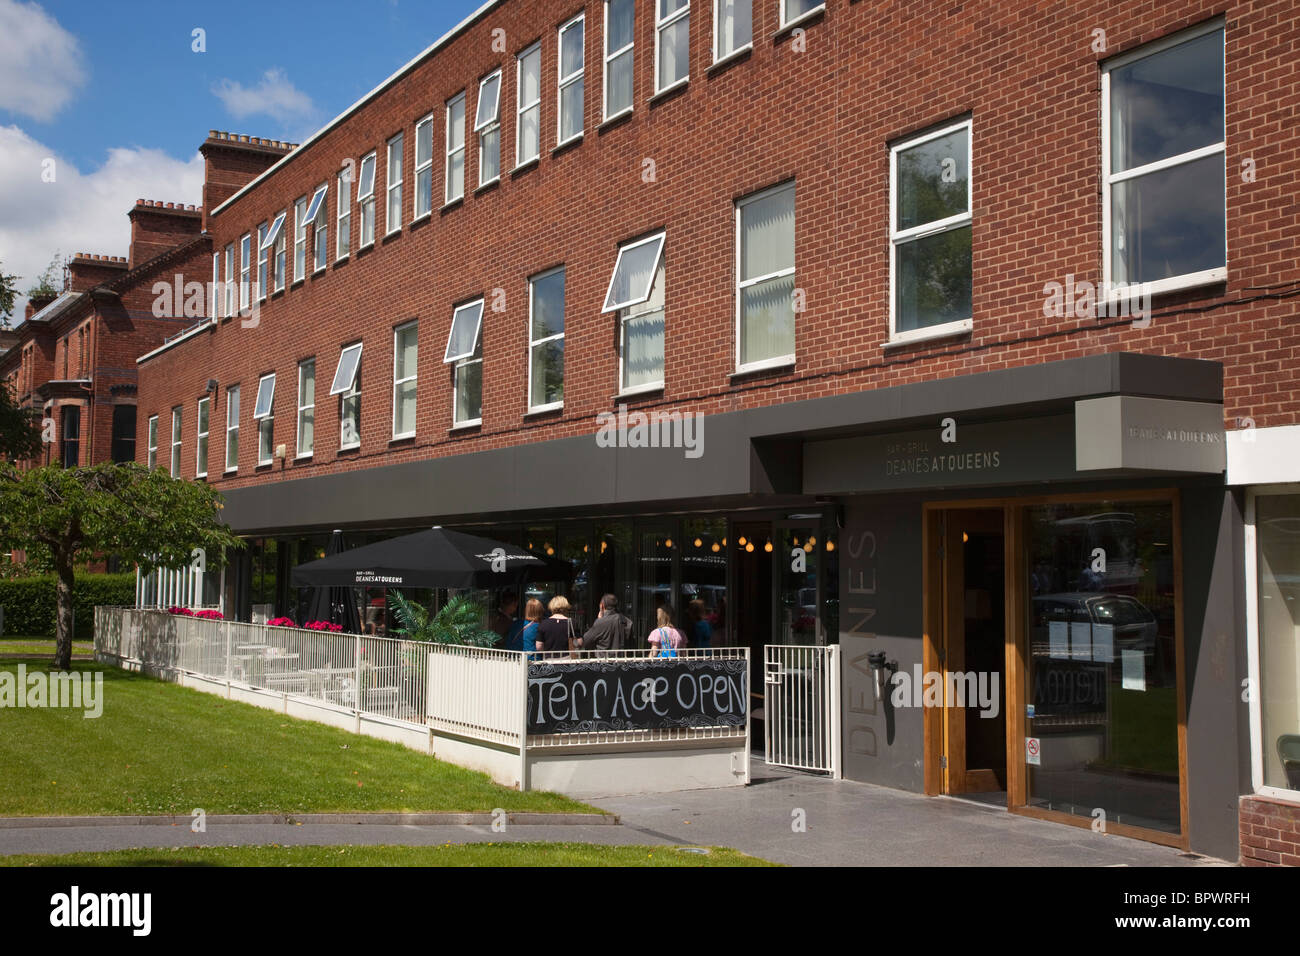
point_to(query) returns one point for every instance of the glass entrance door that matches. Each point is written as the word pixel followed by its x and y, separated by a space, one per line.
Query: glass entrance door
pixel 1102 709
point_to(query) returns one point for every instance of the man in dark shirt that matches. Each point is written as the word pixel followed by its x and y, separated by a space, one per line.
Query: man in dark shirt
pixel 611 630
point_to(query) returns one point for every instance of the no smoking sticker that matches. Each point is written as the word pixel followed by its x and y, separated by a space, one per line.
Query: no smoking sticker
pixel 1032 754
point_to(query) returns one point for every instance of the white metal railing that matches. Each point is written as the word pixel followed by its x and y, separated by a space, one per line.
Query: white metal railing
pixel 369 675
pixel 801 706
pixel 477 693
pixel 166 587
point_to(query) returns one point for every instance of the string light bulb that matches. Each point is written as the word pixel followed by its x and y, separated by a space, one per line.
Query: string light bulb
pixel 741 541
pixel 750 546
pixel 768 547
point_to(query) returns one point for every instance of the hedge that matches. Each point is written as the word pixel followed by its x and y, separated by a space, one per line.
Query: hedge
pixel 29 603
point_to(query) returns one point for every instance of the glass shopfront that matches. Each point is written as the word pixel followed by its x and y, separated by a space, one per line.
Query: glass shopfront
pixel 1277 612
pixel 1101 696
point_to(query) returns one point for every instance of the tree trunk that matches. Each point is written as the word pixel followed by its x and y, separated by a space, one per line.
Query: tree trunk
pixel 63 619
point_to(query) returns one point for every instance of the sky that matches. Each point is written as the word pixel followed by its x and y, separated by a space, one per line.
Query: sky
pixel 103 103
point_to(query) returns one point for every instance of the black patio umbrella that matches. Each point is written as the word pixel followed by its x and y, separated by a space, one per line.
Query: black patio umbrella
pixel 437 558
pixel 335 604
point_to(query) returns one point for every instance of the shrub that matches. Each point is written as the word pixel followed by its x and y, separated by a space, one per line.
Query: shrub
pixel 29 602
pixel 281 622
pixel 210 615
pixel 323 626
pixel 180 610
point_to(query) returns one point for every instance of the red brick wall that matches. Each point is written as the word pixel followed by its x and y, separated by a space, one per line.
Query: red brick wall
pixel 871 73
pixel 157 226
pixel 1270 832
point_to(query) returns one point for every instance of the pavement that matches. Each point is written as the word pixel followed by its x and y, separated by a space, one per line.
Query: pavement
pixel 783 816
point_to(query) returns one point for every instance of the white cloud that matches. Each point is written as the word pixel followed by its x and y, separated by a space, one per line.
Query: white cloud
pixel 274 96
pixel 78 212
pixel 40 62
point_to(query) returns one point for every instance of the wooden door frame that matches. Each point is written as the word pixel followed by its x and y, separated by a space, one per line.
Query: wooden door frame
pixel 1017 669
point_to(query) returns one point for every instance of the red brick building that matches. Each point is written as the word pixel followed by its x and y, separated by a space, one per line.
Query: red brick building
pixel 74 356
pixel 988 311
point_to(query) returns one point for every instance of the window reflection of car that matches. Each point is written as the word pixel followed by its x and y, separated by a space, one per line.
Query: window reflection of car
pixel 1135 626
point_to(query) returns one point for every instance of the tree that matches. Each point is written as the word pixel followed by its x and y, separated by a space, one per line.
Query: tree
pixel 50 283
pixel 8 292
pixel 141 516
pixel 20 431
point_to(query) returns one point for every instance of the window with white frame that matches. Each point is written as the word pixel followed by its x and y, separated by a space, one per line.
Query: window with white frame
pixel 366 200
pixel 232 428
pixel 571 62
pixel 230 280
pixel 215 312
pixel 347 386
pixel 424 167
pixel 765 270
pixel 306 408
pixel 201 447
pixel 245 268
pixel 1273 623
pixel 153 443
pixel 546 341
pixel 733 27
pixel 343 228
pixel 672 43
pixel 300 238
pixel 274 240
pixel 264 415
pixel 1164 197
pixel 405 366
pixel 262 252
pixel 393 185
pixel 281 255
pixel 487 123
pixel 794 10
pixel 930 234
pixel 618 57
pixel 454 188
pixel 176 442
pixel 528 125
pixel 465 354
pixel 318 219
pixel 636 294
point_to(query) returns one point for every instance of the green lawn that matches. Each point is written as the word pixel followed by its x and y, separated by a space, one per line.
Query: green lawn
pixel 163 749
pixel 40 645
pixel 456 854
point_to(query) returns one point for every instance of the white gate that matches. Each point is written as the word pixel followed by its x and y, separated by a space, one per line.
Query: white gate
pixel 801 706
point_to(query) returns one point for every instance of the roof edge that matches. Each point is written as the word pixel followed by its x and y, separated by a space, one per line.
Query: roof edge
pixel 401 72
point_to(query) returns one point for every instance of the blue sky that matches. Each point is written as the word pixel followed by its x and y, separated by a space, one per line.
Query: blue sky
pixel 114 98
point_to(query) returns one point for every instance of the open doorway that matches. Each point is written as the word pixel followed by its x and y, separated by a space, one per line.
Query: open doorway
pixel 970 646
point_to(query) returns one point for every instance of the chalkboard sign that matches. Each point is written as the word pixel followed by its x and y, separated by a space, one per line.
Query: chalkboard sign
pixel 636 694
pixel 1068 688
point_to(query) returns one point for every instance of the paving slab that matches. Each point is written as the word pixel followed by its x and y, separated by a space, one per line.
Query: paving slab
pixel 808 820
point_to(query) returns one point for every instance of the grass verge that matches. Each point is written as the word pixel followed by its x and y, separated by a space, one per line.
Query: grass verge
pixel 163 749
pixel 455 854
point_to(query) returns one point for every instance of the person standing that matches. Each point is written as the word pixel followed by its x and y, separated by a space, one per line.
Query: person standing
pixel 701 629
pixel 611 631
pixel 556 633
pixel 530 640
pixel 665 640
pixel 502 617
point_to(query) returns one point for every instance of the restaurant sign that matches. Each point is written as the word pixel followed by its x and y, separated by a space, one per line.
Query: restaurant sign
pixel 1149 434
pixel 639 693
